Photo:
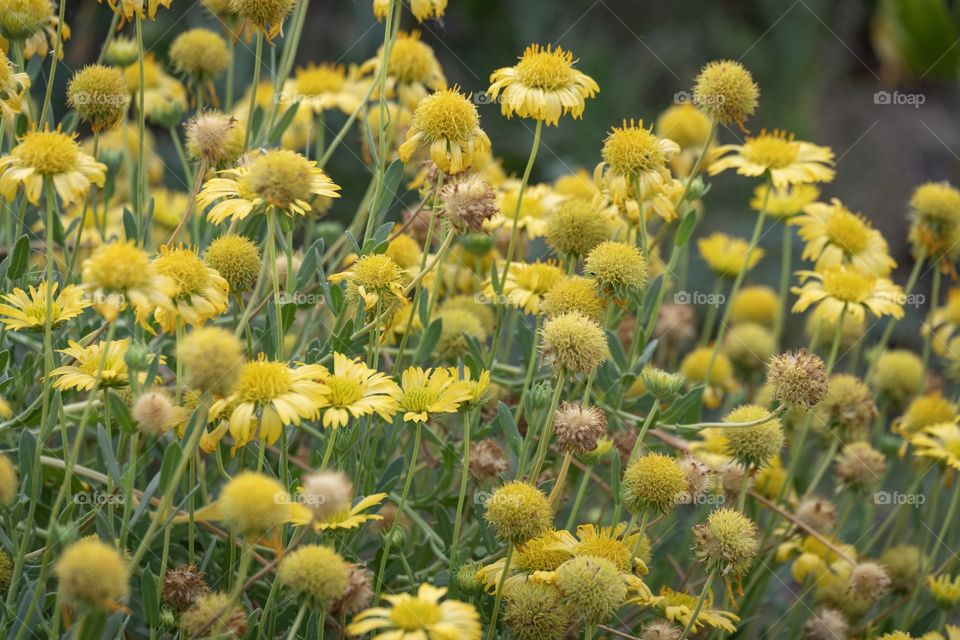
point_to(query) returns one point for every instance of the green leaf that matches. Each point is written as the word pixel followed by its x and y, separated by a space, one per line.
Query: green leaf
pixel 429 340
pixel 20 258
pixel 151 599
pixel 388 191
pixel 120 412
pixel 509 428
pixel 283 123
pixel 685 230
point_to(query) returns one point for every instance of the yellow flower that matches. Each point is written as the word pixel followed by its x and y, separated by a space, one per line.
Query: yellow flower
pixel 940 442
pixel 945 591
pixel 53 156
pixel 420 617
pixel 119 274
pixel 449 123
pixel 412 70
pixel 543 85
pixel 835 236
pixel 944 321
pixel 426 9
pixel 690 128
pixel 348 518
pixel 279 179
pixel 326 86
pixel 29 310
pixel 250 504
pixel 82 374
pixel 635 161
pixel 609 543
pixel 727 255
pixel 479 388
pixel 201 294
pixel 835 287
pixel 538 202
pixel 130 9
pixel 678 607
pixel 788 161
pixel 270 395
pixel 784 202
pixel 353 389
pixel 160 90
pixel 429 392
pixel 13 86
pixel 526 284
pixel 375 275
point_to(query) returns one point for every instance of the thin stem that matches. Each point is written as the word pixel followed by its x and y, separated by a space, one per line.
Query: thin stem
pixel 699 607
pixel 462 496
pixel 253 90
pixel 491 628
pixel 511 248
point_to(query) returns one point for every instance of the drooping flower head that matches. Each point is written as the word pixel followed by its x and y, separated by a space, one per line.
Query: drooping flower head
pixel 263 15
pixel 635 161
pixel 446 121
pixel 120 274
pixel 543 85
pixel 201 292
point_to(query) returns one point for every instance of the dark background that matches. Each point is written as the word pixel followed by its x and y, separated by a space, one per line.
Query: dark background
pixel 819 64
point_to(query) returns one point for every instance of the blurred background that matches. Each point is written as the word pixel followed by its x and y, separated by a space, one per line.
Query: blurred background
pixel 876 81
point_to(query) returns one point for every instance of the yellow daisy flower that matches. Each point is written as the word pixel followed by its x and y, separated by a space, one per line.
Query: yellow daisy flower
pixel 326 86
pixel 268 396
pixel 678 607
pixel 412 70
pixel 526 284
pixel 536 559
pixel 279 179
pixel 944 321
pixel 789 161
pixel 82 374
pixel 54 156
pixel 543 85
pixel 833 287
pixel 161 91
pixel 428 392
pixel 479 388
pixel 128 10
pixel 349 518
pixel 727 255
pixel 447 121
pixel 377 278
pixel 201 294
pixel 940 442
pixel 420 617
pixel 608 543
pixel 835 236
pixel 635 158
pixel 538 202
pixel 783 202
pixel 29 310
pixel 354 389
pixel 13 86
pixel 119 274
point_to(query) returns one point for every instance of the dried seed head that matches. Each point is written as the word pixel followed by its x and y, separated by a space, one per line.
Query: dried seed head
pixel 327 493
pixel 467 203
pixel 182 586
pixel 827 624
pixel 817 513
pixel 577 428
pixel 799 378
pixel 868 580
pixel 487 460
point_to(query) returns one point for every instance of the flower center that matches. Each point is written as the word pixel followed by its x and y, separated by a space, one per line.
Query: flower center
pixel 343 391
pixel 548 69
pixel 606 548
pixel 118 267
pixel 315 81
pixel 848 231
pixel 632 149
pixel 376 272
pixel 418 399
pixel 185 268
pixel 414 614
pixel 772 150
pixel 847 285
pixel 281 177
pixel 262 381
pixel 446 115
pixel 48 153
pixel 411 60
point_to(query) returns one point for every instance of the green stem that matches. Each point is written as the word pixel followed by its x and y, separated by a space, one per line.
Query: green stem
pixel 462 496
pixel 253 90
pixel 491 628
pixel 699 607
pixel 514 229
pixel 546 433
